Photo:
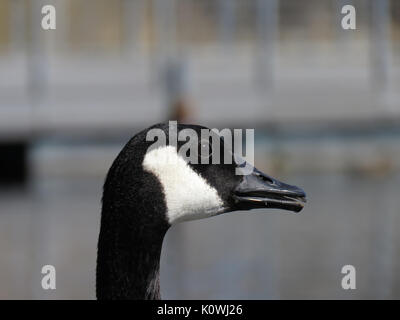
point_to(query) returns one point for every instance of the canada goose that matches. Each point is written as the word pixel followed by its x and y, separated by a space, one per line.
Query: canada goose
pixel 144 195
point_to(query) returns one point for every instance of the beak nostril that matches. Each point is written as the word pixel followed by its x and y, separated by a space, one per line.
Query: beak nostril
pixel 266 179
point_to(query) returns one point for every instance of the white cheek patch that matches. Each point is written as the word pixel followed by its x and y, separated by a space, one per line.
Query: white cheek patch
pixel 188 195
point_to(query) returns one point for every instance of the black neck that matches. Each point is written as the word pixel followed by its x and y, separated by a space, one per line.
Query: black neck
pixel 133 225
pixel 128 260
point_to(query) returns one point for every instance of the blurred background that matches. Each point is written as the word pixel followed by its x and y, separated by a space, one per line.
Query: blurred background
pixel 324 102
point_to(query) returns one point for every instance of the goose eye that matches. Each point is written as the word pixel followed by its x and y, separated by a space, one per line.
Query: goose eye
pixel 205 149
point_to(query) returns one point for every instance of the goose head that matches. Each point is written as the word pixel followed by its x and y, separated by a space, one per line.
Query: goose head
pixel 200 189
pixel 150 188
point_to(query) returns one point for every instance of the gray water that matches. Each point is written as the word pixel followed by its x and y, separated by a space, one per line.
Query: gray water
pixel 262 254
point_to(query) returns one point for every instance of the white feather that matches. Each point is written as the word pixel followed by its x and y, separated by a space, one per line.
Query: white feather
pixel 188 195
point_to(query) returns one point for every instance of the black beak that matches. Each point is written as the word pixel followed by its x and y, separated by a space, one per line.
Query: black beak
pixel 258 190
